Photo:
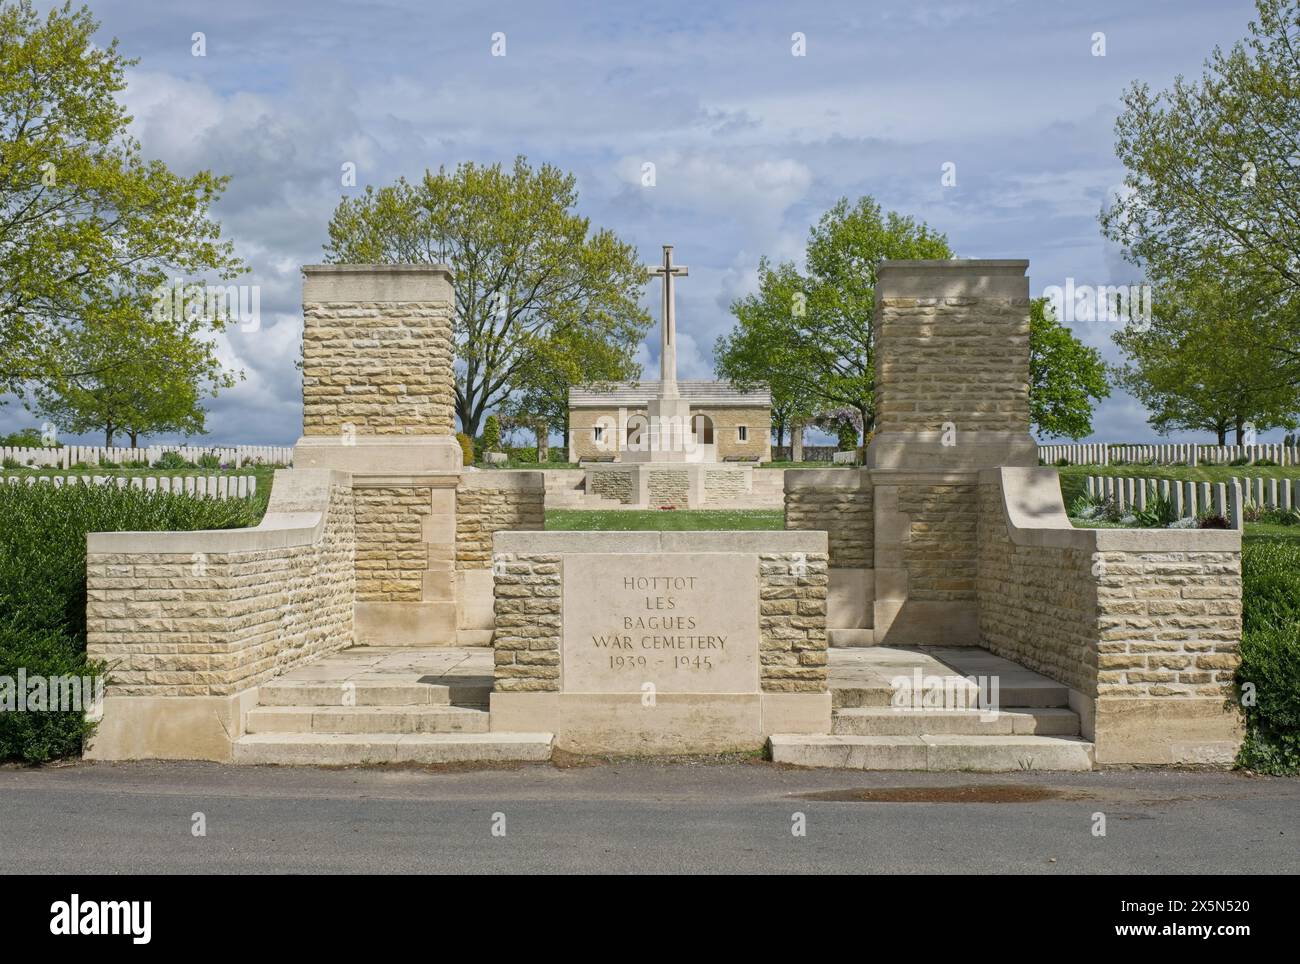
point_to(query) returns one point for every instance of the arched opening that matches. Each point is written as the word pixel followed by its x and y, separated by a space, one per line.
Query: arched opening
pixel 703 426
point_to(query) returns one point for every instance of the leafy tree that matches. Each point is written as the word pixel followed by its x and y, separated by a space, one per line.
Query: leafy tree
pixel 761 349
pixel 88 229
pixel 144 380
pixel 823 316
pixel 844 423
pixel 1206 362
pixel 526 267
pixel 491 434
pixel 1213 183
pixel 571 357
pixel 1066 377
pixel 27 438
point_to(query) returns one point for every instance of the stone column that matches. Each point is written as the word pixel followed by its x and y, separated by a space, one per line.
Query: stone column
pixel 796 441
pixel 952 398
pixel 378 394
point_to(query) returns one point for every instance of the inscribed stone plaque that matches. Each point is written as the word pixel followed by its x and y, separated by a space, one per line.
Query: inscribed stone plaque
pixel 685 622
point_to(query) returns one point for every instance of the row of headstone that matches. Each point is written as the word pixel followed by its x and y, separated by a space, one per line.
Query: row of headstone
pixel 1102 453
pixel 201 486
pixel 66 456
pixel 1193 499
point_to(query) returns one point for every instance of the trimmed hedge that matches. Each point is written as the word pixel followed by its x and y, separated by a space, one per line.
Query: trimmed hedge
pixel 43 587
pixel 1270 656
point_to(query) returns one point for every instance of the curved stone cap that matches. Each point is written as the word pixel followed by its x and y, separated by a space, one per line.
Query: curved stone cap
pixel 1035 516
pixel 295 516
pixel 734 540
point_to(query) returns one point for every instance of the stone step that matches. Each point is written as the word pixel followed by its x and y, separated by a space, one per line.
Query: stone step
pixel 938 752
pixel 1013 721
pixel 334 749
pixel 1028 694
pixel 844 697
pixel 1036 693
pixel 372 693
pixel 359 720
pixel 850 638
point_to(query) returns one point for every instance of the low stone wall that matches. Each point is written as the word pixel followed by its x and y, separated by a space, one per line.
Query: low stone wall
pixel 612 484
pixel 668 487
pixel 722 485
pixel 491 502
pixel 528 622
pixel 189 623
pixel 391 554
pixel 1143 625
pixel 792 587
pixel 940 550
pixel 487 503
pixel 838 502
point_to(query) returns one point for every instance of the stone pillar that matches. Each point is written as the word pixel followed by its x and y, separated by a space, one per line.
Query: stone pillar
pixel 378 387
pixel 378 394
pixel 796 441
pixel 952 398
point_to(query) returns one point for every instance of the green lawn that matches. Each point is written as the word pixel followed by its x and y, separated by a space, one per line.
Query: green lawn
pixel 607 520
pixel 1270 532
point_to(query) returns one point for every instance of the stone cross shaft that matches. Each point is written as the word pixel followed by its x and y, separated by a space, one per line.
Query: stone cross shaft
pixel 668 325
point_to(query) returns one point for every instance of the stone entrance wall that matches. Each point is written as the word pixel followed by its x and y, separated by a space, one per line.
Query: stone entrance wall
pixel 1143 625
pixel 952 535
pixel 190 623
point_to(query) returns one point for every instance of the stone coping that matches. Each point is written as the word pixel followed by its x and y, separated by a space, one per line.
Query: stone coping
pixel 291 526
pixel 998 278
pixel 368 284
pixel 383 456
pixel 736 540
pixel 844 478
pixel 515 480
pixel 1035 515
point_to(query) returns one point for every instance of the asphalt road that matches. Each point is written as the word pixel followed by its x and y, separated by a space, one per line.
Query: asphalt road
pixel 640 818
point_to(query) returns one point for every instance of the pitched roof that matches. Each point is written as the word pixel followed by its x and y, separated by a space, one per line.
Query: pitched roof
pixel 700 391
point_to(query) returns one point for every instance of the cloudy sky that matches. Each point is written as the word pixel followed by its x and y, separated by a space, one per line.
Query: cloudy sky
pixel 750 143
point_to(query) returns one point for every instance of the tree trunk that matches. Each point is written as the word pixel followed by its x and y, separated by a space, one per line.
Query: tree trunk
pixel 108 437
pixel 135 438
pixel 468 420
pixel 1240 426
pixel 543 442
